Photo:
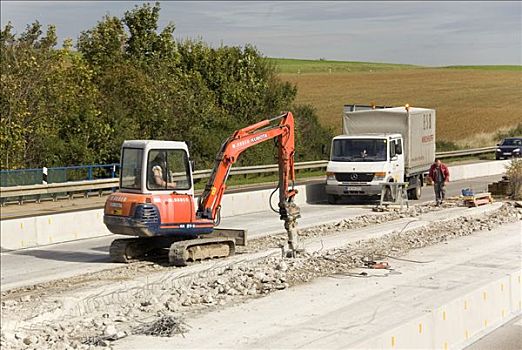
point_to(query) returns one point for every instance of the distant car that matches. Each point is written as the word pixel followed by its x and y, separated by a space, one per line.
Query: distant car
pixel 509 147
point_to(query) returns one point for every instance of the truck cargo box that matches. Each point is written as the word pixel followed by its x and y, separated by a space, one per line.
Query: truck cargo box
pixel 417 126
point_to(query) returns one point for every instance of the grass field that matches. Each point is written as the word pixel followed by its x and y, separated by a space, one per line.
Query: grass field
pixel 509 68
pixel 294 66
pixel 472 102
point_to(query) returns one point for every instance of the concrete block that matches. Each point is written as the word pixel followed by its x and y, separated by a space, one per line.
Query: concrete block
pixel 458 322
pixel 49 229
pixel 469 171
pixel 17 234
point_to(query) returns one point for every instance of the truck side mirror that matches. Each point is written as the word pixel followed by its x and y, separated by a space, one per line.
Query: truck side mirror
pixel 192 164
pixel 398 148
pixel 393 149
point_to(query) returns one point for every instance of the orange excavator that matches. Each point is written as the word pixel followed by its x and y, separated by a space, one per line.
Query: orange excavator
pixel 155 202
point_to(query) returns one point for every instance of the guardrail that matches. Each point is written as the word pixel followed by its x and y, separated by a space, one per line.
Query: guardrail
pixel 466 152
pixel 25 177
pixel 70 188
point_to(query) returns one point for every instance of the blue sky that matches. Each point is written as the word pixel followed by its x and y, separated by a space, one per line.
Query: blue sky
pixel 425 33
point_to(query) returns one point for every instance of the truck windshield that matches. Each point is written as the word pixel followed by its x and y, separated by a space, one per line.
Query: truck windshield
pixel 131 168
pixel 359 150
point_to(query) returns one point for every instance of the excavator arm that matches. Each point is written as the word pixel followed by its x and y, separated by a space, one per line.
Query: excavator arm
pixel 210 201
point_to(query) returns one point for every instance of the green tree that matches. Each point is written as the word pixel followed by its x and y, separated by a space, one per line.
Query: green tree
pixel 130 79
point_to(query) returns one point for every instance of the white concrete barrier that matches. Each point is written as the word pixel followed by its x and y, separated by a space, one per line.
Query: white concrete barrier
pixel 459 322
pixel 49 229
pixel 469 171
pixel 55 228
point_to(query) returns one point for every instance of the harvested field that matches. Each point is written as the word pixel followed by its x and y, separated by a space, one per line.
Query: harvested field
pixel 468 101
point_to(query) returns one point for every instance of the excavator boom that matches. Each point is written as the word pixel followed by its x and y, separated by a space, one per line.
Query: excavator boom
pixel 210 201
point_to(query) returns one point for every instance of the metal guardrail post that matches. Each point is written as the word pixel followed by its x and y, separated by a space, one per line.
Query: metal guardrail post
pixel 44 175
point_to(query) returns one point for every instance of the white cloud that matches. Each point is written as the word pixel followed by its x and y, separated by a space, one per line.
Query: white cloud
pixel 431 33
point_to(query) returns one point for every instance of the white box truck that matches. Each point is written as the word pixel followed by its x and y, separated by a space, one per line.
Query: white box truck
pixel 381 144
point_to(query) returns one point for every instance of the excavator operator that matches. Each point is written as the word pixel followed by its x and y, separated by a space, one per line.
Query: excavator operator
pixel 158 167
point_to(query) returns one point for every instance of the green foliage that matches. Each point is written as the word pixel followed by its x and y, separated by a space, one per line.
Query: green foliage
pixel 46 99
pixel 312 140
pixel 514 174
pixel 103 45
pixel 490 67
pixel 290 65
pixel 130 79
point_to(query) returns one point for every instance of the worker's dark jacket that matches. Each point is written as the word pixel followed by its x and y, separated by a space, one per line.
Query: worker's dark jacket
pixel 444 170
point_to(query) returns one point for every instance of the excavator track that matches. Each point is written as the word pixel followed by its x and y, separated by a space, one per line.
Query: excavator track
pixel 184 252
pixel 126 250
pixel 180 253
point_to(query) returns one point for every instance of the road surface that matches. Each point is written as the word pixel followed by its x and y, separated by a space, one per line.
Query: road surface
pixel 46 263
pixel 344 311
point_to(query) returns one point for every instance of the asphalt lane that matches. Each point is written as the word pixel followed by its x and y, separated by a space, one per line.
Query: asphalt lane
pixel 45 263
pixel 506 337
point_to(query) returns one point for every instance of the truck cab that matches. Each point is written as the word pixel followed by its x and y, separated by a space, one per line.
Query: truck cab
pixel 381 144
pixel 358 164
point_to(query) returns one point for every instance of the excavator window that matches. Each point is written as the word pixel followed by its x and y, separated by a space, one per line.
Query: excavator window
pixel 131 166
pixel 168 170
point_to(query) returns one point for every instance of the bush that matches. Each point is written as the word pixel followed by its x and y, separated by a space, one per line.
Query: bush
pixel 443 146
pixel 514 173
pixel 312 140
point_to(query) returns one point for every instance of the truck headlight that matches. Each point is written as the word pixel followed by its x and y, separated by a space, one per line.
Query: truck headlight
pixel 330 175
pixel 516 150
pixel 499 150
pixel 379 176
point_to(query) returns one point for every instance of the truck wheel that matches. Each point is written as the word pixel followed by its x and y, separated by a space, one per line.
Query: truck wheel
pixel 415 193
pixel 332 199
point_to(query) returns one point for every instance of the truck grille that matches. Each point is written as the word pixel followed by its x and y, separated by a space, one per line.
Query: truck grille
pixel 354 177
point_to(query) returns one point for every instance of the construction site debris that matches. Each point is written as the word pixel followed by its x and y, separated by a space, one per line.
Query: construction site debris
pixel 165 326
pixel 500 188
pixel 477 199
pixel 221 286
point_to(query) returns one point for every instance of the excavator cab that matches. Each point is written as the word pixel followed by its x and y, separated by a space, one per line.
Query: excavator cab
pixel 155 167
pixel 156 195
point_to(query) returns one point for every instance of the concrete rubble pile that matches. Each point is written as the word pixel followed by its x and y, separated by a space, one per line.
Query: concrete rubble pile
pixel 349 224
pixel 166 307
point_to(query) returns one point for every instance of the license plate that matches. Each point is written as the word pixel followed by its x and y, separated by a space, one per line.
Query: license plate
pixel 507 153
pixel 353 188
pixel 117 211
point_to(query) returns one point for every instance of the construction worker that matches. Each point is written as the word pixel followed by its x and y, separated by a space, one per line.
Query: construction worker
pixel 439 174
pixel 157 169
